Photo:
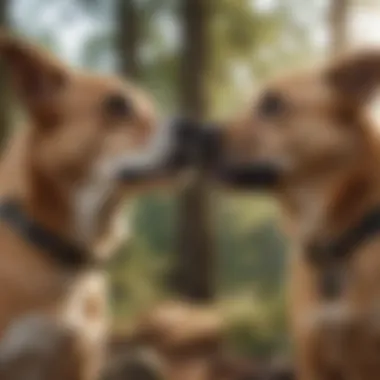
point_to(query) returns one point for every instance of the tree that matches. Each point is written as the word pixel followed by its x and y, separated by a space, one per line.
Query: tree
pixel 338 25
pixel 195 262
pixel 128 37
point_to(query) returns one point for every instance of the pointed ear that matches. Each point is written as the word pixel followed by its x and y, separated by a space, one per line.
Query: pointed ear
pixel 357 77
pixel 35 74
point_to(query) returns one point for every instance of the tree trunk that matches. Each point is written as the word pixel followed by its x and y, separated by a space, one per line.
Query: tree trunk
pixel 194 277
pixel 338 25
pixel 127 38
pixel 5 98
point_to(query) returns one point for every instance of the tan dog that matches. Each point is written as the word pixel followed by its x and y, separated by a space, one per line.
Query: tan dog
pixel 311 131
pixel 62 180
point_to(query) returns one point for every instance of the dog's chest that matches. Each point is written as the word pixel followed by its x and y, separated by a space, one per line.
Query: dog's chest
pixel 27 281
pixel 345 332
pixel 344 343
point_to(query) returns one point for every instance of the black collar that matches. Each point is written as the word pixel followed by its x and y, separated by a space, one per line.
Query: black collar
pixel 62 252
pixel 330 257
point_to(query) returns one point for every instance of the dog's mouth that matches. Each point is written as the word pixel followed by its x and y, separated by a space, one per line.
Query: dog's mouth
pixel 250 176
pixel 180 145
pixel 186 144
pixel 206 147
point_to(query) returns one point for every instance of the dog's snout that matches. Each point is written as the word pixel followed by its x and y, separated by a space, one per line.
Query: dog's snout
pixel 212 144
pixel 196 144
pixel 185 131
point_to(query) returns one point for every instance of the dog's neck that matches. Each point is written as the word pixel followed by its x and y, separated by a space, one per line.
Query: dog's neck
pixel 325 207
pixel 79 213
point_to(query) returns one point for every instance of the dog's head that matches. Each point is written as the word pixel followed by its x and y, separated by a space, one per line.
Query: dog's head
pixel 305 125
pixel 84 127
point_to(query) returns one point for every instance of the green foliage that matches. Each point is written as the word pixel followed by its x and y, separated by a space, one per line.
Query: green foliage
pixel 155 221
pixel 256 325
pixel 136 279
pixel 252 258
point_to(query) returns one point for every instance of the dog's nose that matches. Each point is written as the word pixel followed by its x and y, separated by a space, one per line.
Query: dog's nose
pixel 195 143
pixel 212 144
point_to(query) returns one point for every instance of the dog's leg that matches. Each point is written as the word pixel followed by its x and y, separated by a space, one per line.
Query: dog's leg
pixel 37 348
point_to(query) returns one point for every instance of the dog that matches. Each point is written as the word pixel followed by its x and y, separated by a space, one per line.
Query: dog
pixel 308 139
pixel 90 142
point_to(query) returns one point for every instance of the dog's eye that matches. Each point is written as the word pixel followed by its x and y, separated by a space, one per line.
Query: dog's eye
pixel 118 106
pixel 271 105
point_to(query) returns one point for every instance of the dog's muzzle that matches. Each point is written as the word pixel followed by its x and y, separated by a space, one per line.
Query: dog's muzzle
pixel 188 144
pixel 195 145
pixel 180 145
pixel 204 146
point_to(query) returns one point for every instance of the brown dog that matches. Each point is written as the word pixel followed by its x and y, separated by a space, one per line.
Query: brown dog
pixel 309 140
pixel 62 180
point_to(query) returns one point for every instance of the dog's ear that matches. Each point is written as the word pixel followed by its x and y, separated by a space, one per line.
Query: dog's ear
pixel 356 77
pixel 36 75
